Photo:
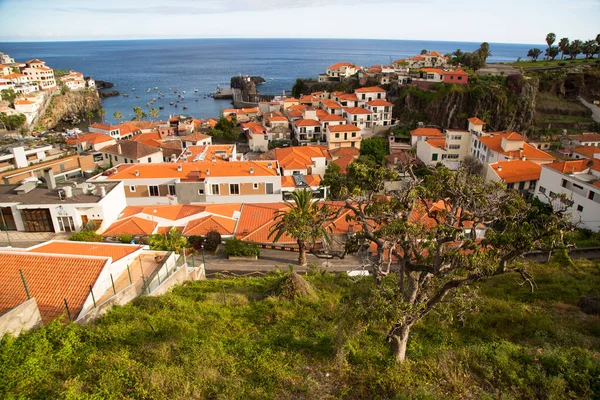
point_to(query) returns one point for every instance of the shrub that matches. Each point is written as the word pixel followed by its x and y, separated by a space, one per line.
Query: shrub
pixel 195 241
pixel 212 240
pixel 85 236
pixel 125 238
pixel 238 248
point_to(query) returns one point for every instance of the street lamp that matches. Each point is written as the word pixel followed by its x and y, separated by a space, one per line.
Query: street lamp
pixel 202 248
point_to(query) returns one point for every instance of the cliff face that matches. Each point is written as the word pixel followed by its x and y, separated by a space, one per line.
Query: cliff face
pixel 504 105
pixel 70 106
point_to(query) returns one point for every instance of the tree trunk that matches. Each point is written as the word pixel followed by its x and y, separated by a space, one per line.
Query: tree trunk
pixel 302 254
pixel 398 342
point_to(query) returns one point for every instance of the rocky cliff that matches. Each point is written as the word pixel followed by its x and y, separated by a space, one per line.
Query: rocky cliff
pixel 505 103
pixel 70 107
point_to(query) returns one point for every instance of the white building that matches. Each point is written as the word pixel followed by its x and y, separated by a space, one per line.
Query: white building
pixel 73 80
pixel 366 94
pixel 382 112
pixel 37 71
pixel 131 152
pixel 360 117
pixel 586 139
pixel 579 182
pixel 341 70
pixel 521 175
pixel 490 147
pixel 307 130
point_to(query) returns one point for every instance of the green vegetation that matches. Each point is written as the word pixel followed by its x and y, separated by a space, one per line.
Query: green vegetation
pixel 86 236
pixel 475 60
pixel 118 115
pixel 225 129
pixel 8 95
pixel 585 238
pixel 61 72
pixel 212 240
pixel 12 122
pixel 125 238
pixel 170 241
pixel 375 148
pixel 139 113
pixel 239 248
pixel 231 339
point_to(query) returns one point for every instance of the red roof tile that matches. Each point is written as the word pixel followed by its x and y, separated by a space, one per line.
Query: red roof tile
pixel 114 251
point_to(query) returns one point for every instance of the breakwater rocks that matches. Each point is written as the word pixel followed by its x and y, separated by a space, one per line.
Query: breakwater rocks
pixel 247 84
pixel 108 93
pixel 70 107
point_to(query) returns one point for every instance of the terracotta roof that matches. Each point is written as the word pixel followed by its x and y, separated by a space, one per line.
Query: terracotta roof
pixel 433 70
pixel 190 170
pixel 380 103
pixel 290 100
pixel 340 65
pixel 332 118
pixel 114 251
pixel 357 110
pixel 278 118
pixel 307 122
pixel 370 89
pixel 201 226
pixel 172 212
pixel 130 149
pixel 494 143
pixel 343 128
pixel 131 226
pixel 311 180
pixel 511 171
pixel 569 167
pixel 456 72
pixel 438 143
pixel 348 97
pixel 429 132
pixel 343 161
pixel 476 121
pixel 587 151
pixel 51 279
pixel 93 138
pixel 331 104
pixel 586 137
pixel 195 137
pixel 309 98
pixel 256 220
pixel 296 157
pixel 295 113
pixel 345 151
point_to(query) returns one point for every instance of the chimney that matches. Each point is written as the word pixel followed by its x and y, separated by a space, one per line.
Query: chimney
pixel 68 191
pixel 49 177
pixel 251 170
pixel 270 165
pixel 102 191
pixel 214 158
pixel 207 171
pixel 119 148
pixel 523 158
pixel 499 167
pixel 179 167
pixel 137 173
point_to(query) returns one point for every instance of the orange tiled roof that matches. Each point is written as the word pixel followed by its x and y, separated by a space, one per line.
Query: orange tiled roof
pixel 299 157
pixel 343 128
pixel 340 65
pixel 440 143
pixel 379 103
pixel 255 223
pixel 348 97
pixel 93 138
pixel 201 226
pixel 345 151
pixel 344 160
pixel 569 167
pixel 370 89
pixel 114 251
pixel 494 143
pixel 51 279
pixel 332 118
pixel 311 180
pixel 307 122
pixel 332 104
pixel 476 121
pixel 290 100
pixel 587 151
pixel 511 171
pixel 195 137
pixel 278 118
pixel 457 71
pixel 357 110
pixel 191 170
pixel 131 226
pixel 433 70
pixel 430 132
pixel 586 137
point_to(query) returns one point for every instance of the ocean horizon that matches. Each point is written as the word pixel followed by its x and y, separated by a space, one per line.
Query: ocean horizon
pixel 190 63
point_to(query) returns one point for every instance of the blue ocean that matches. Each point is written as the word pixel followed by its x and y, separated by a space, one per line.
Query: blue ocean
pixel 188 64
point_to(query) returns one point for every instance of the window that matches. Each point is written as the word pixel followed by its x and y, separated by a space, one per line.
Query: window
pixel 153 190
pixel 255 186
pixel 452 156
pixel 434 157
pixel 269 188
pixel 337 135
pixel 542 189
pixel 214 189
pixel 521 185
pixel 578 186
pixel 510 186
pixel 132 188
pixel 201 192
pixel 353 134
pixel 149 159
pixel 172 190
pixel 234 188
pixel 591 195
pixel 295 172
pixel 580 208
pixel 454 146
pixel 65 224
pixel 116 158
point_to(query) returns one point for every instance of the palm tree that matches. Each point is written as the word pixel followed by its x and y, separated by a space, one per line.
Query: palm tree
pixel 303 220
pixel 171 241
pixel 563 45
pixel 550 39
pixel 118 115
pixel 102 113
pixel 139 113
pixel 589 48
pixel 153 113
pixel 534 53
pixel 89 115
pixel 484 51
pixel 575 48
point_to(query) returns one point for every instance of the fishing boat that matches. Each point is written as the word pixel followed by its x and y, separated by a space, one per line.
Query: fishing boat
pixel 156 88
pixel 185 107
pixel 133 89
pixel 175 105
pixel 137 97
pixel 147 104
pixel 183 92
pixel 171 103
pixel 125 95
pixel 196 90
pixel 174 90
pixel 161 107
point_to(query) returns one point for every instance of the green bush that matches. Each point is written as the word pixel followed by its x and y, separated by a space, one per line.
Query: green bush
pixel 238 248
pixel 212 241
pixel 125 238
pixel 86 236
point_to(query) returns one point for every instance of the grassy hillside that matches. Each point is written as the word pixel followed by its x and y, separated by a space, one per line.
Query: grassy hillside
pixel 232 339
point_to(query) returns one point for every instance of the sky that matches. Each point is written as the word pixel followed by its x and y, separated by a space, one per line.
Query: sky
pixel 508 21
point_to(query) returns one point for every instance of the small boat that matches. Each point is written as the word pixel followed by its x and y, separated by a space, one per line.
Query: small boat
pixel 137 97
pixel 174 90
pixel 159 97
pixel 161 107
pixel 178 101
pixel 196 99
pixel 185 107
pixel 175 105
pixel 147 104
pixel 196 90
pixel 171 103
pixel 133 89
pixel 148 91
pixel 155 87
pixel 125 95
pixel 183 92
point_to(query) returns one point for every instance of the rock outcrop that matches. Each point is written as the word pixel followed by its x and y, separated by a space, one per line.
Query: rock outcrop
pixel 70 107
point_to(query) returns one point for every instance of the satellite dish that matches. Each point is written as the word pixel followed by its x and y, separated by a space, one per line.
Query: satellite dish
pixel 590 163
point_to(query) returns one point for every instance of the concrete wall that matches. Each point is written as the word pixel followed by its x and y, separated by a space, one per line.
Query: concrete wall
pixel 121 298
pixel 21 318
